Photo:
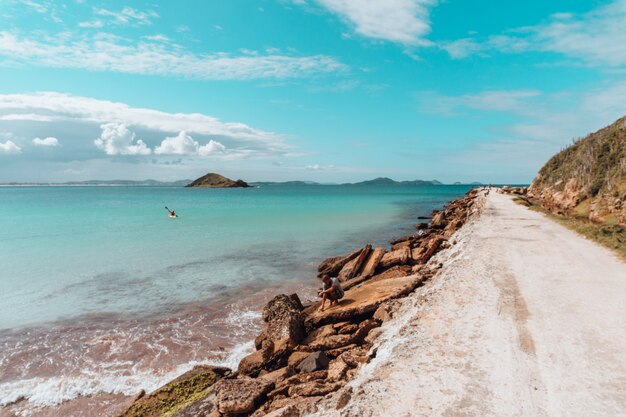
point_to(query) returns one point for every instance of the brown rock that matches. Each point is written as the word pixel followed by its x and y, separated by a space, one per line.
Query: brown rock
pixel 239 396
pixel 279 374
pixel 364 299
pixel 254 362
pixel 330 342
pixel 397 271
pixel 432 245
pixel 337 370
pixel 355 357
pixel 373 335
pixel 333 353
pixel 297 357
pixel 349 329
pixel 372 262
pixel 352 268
pixel 284 319
pixel 332 266
pixel 397 257
pixel 403 244
pixel 439 220
pixel 319 333
pixel 311 389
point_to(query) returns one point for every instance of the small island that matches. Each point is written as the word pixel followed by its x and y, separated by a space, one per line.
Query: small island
pixel 212 180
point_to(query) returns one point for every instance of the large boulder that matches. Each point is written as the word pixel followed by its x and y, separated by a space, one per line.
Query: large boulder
pixel 285 320
pixel 397 257
pixel 332 266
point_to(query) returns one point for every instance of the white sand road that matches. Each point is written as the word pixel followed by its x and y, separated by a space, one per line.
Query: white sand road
pixel 526 318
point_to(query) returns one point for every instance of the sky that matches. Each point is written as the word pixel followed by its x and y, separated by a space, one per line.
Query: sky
pixel 320 90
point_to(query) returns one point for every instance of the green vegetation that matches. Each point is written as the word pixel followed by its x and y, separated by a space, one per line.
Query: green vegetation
pixel 612 236
pixel 173 397
pixel 597 162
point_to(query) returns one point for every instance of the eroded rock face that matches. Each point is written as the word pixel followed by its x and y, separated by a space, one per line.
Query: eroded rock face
pixel 284 319
pixel 240 396
pixel 352 268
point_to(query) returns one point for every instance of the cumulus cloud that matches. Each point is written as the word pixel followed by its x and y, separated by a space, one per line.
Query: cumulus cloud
pixel 183 144
pixel 117 139
pixel 596 38
pixel 49 141
pixel 104 52
pixel 400 21
pixel 9 148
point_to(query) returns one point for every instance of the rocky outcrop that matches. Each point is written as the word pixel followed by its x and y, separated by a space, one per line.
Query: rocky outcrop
pixel 304 354
pixel 588 178
pixel 213 180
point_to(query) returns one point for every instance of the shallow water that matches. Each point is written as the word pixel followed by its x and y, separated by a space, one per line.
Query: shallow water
pixel 101 292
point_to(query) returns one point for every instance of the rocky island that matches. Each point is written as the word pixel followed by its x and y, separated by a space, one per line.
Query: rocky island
pixel 212 180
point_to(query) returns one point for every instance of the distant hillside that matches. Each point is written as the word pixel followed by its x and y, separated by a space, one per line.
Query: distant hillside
pixel 384 181
pixel 587 179
pixel 213 180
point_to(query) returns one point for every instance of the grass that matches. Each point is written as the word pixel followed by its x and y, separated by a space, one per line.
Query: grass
pixel 611 236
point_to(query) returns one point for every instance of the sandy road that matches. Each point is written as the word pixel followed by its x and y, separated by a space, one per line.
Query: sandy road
pixel 526 318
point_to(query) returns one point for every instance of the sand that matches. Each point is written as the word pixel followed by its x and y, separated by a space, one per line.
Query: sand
pixel 526 318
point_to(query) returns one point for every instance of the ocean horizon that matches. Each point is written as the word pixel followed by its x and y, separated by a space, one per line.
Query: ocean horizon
pixel 117 297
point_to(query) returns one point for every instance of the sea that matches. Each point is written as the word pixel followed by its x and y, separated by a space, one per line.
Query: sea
pixel 102 294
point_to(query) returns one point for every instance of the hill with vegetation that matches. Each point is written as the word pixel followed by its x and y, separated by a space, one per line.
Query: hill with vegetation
pixel 588 178
pixel 212 180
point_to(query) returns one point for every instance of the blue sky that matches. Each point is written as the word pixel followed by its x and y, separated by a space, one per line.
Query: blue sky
pixel 324 90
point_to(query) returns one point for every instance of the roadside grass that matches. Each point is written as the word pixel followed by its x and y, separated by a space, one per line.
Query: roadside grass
pixel 609 234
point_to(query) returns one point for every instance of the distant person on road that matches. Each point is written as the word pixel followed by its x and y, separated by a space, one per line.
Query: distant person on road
pixel 331 290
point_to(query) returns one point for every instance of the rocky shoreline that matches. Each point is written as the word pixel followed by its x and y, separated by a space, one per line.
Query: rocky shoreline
pixel 303 354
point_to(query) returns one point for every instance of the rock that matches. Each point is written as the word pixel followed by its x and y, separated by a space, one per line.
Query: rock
pixel 319 333
pixel 314 362
pixel 403 244
pixel 393 272
pixel 333 353
pixel 352 268
pixel 421 226
pixel 332 266
pixel 373 335
pixel 212 180
pixel 372 262
pixel 349 329
pixel 431 247
pixel 397 257
pixel 355 357
pixel 364 299
pixel 312 389
pixel 254 362
pixel 239 396
pixel 279 374
pixel 297 357
pixel 284 319
pixel 330 342
pixel 439 220
pixel 337 370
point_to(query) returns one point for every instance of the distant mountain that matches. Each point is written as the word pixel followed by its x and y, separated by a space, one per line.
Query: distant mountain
pixel 105 183
pixel 388 182
pixel 283 184
pixel 212 180
pixel 468 183
pixel 588 178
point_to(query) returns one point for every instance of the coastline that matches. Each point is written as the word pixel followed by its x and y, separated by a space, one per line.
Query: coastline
pixel 276 376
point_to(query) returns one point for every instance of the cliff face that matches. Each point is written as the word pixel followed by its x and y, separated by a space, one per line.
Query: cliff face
pixel 212 180
pixel 587 179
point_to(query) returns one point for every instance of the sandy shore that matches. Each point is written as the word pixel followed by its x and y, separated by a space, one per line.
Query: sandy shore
pixel 526 318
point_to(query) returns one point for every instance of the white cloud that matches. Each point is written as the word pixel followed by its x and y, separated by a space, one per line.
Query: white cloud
pixel 492 100
pixel 596 38
pixel 49 141
pixel 128 16
pixel 94 24
pixel 400 21
pixel 37 7
pixel 9 148
pixel 117 139
pixel 50 106
pixel 183 144
pixel 104 52
pixel 318 167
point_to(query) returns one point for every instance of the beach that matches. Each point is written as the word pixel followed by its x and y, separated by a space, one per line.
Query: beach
pixel 525 318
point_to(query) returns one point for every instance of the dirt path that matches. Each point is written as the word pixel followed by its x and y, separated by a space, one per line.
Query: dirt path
pixel 526 319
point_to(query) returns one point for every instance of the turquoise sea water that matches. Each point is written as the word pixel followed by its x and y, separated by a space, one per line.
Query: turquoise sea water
pixel 101 292
pixel 67 251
